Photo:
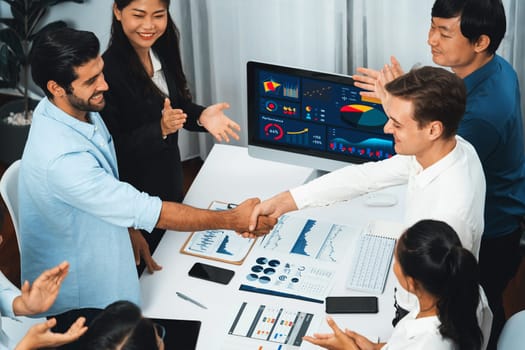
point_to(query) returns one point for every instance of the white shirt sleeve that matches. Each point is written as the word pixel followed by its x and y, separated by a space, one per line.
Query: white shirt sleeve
pixel 352 181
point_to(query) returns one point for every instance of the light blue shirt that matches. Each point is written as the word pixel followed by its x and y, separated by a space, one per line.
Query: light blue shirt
pixel 73 207
pixel 8 293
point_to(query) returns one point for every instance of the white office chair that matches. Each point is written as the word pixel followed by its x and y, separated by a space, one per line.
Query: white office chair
pixel 9 192
pixel 512 336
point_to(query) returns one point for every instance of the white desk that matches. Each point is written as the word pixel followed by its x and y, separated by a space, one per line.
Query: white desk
pixel 230 174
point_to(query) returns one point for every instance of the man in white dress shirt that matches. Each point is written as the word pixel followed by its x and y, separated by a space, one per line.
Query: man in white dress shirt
pixel 442 171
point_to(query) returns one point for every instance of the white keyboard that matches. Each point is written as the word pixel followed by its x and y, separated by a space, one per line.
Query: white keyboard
pixel 371 263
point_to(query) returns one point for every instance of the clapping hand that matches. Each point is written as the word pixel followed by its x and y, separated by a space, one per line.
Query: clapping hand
pixel 218 124
pixel 373 81
pixel 172 119
pixel 42 294
pixel 40 335
pixel 338 340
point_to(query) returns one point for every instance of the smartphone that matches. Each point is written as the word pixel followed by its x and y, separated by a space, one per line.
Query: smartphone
pixel 211 273
pixel 351 305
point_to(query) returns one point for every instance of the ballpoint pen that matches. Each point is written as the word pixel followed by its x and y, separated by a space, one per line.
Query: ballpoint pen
pixel 187 298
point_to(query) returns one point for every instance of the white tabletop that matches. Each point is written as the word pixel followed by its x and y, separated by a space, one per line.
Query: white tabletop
pixel 229 174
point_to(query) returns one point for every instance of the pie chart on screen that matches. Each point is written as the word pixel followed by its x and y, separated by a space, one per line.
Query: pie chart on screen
pixel 362 116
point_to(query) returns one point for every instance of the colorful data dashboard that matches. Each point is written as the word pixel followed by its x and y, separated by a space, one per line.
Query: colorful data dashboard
pixel 316 113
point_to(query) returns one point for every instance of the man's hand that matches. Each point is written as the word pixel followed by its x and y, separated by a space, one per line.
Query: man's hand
pixel 42 294
pixel 272 208
pixel 241 219
pixel 40 335
pixel 172 119
pixel 141 249
pixel 218 124
pixel 369 79
pixel 334 341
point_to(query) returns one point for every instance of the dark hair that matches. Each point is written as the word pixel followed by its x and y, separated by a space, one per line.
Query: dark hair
pixel 56 54
pixel 478 17
pixel 166 47
pixel 120 326
pixel 436 94
pixel 430 252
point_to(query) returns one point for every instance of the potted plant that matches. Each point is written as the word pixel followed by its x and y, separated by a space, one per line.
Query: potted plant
pixel 16 37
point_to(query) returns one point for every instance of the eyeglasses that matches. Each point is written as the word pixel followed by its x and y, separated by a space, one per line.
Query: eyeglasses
pixel 161 331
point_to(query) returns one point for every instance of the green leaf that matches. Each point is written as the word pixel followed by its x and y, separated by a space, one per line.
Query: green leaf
pixel 10 38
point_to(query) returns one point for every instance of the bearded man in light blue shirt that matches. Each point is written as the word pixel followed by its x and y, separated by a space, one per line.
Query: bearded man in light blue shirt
pixel 72 205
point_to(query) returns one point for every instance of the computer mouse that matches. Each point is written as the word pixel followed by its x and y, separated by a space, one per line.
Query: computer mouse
pixel 373 199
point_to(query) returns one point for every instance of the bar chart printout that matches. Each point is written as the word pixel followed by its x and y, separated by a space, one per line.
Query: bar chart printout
pixel 266 324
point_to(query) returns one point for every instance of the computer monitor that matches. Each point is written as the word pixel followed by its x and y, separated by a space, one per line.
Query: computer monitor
pixel 312 119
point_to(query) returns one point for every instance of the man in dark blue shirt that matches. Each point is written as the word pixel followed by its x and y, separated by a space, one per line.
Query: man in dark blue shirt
pixel 464 35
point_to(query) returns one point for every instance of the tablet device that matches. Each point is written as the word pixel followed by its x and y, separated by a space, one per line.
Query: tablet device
pixel 180 334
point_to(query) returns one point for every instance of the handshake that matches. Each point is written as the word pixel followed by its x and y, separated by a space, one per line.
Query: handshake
pixel 262 215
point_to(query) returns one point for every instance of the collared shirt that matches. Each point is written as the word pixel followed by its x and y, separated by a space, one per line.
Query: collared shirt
pixel 158 77
pixel 413 333
pixel 493 124
pixel 451 190
pixel 8 293
pixel 73 207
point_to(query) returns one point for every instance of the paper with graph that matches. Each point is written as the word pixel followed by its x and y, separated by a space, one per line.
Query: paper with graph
pixel 221 245
pixel 316 239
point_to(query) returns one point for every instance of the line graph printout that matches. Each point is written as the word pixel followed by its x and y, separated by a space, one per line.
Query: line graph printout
pixel 308 237
pixel 222 245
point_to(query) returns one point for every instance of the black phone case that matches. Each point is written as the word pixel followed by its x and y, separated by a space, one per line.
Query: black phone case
pixel 211 273
pixel 351 305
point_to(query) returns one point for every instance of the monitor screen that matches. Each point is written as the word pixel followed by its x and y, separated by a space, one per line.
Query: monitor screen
pixel 313 119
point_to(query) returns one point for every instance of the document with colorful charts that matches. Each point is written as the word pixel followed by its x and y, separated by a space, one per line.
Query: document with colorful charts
pixel 298 259
pixel 221 245
pixel 267 327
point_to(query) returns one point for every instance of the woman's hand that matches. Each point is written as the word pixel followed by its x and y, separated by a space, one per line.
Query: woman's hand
pixel 172 119
pixel 218 124
pixel 338 340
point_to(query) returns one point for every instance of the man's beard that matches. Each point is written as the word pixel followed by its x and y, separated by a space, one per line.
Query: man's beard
pixel 84 105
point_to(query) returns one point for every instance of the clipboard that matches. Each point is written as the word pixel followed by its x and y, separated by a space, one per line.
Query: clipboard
pixel 219 245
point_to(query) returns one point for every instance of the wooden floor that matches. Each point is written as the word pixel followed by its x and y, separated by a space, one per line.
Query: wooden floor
pixel 514 297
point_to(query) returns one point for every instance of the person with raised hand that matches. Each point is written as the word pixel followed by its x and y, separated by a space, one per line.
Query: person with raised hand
pixel 149 101
pixel 464 36
pixel 431 263
pixel 34 299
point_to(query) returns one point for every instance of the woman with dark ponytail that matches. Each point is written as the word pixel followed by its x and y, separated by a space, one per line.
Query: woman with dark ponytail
pixel 431 264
